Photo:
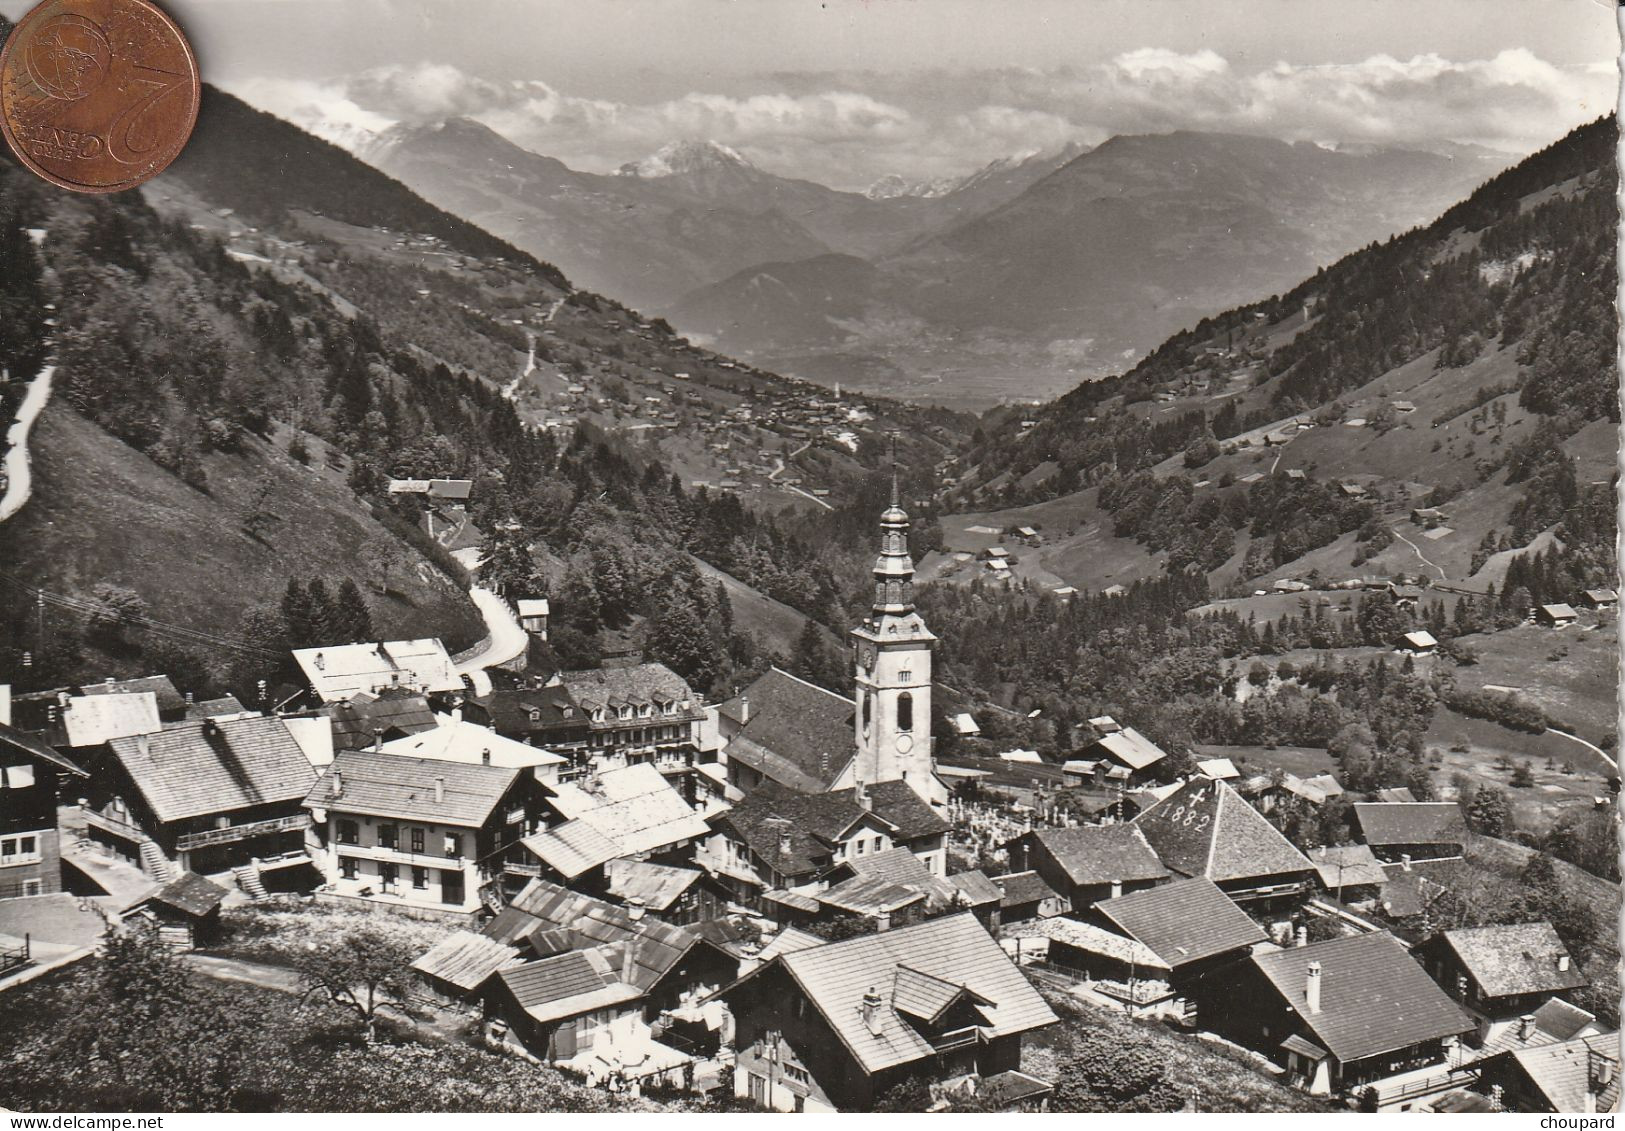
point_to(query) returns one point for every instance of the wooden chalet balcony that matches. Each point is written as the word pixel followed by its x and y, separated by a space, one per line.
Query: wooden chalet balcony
pixel 956 1038
pixel 231 834
pixel 118 828
pixel 399 855
pixel 514 869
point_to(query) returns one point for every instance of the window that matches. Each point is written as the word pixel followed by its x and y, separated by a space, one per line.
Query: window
pixel 905 711
pixel 417 840
pixel 863 846
pixel 388 836
pixel 390 874
pixel 347 867
pixel 420 878
pixel 348 832
pixel 879 844
pixel 32 887
pixel 454 846
pixel 905 676
pixel 868 709
pixel 16 777
pixel 19 849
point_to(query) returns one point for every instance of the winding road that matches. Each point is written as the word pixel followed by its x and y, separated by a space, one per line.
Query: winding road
pixel 19 473
pixel 505 638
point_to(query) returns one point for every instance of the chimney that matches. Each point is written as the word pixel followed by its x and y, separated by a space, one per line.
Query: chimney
pixel 110 681
pixel 634 908
pixel 1526 1026
pixel 1311 989
pixel 1599 1069
pixel 871 1011
pixel 189 699
pixel 1562 962
pixel 784 842
pixel 862 796
pixel 263 689
pixel 744 709
pixel 1303 935
pixel 377 740
pixel 485 756
pixel 144 744
pixel 338 782
pixel 320 662
pixel 1405 861
pixel 439 790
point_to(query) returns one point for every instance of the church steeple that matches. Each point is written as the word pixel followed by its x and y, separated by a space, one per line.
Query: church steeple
pixel 894 569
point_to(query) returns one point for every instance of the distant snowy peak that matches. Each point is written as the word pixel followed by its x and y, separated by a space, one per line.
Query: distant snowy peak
pixel 681 157
pixel 894 185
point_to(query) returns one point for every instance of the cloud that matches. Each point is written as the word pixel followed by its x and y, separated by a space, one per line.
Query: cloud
pixel 849 128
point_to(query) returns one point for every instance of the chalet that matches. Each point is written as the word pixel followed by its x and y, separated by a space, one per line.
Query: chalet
pixel 171 703
pixel 338 672
pixel 455 740
pixel 1574 1076
pixel 1337 1015
pixel 365 718
pixel 1405 596
pixel 1114 591
pixel 1064 592
pixel 903 869
pixel 965 726
pixel 83 723
pixel 1601 598
pixel 1425 830
pixel 1024 896
pixel 32 779
pixel 632 812
pixel 543 716
pixel 418 833
pixel 995 554
pixel 1205 828
pixel 777 839
pixel 533 614
pixel 679 896
pixel 1125 747
pixel 1150 948
pixel 458 966
pixel 1418 643
pixel 1429 517
pixel 1089 863
pixel 1219 769
pixel 1556 616
pixel 1403 406
pixel 1501 974
pixel 831 1027
pixel 184 913
pixel 1296 473
pixel 1352 490
pixel 1349 873
pixel 452 492
pixel 1290 585
pixel 1395 793
pixel 208 794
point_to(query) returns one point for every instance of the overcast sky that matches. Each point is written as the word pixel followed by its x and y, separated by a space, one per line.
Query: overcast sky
pixel 843 91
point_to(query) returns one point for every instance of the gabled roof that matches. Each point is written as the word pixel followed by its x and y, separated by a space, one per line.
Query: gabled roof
pixel 976 888
pixel 1421 638
pixel 466 959
pixel 900 866
pixel 533 607
pixel 213 708
pixel 635 808
pixel 1347 865
pixel 1562 1020
pixel 460 741
pixel 359 720
pixel 1102 854
pixel 392 785
pixel 797 732
pixel 1098 940
pixel 12 739
pixel 1018 888
pixel 1562 1071
pixel 1559 610
pixel 1413 822
pixel 1205 828
pixel 1316 790
pixel 188 892
pixel 1131 748
pixel 655 886
pixel 788 941
pixel 1522 958
pixel 1374 998
pixel 1396 793
pixel 203 766
pixel 1183 921
pixel 812 822
pixel 338 671
pixel 926 996
pixel 895 802
pixel 1222 769
pixel 161 686
pixel 572 848
pixel 91 720
pixel 512 711
pixel 567 985
pixel 953 949
pixel 635 684
pixel 869 895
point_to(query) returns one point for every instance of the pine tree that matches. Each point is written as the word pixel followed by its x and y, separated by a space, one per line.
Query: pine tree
pixel 353 620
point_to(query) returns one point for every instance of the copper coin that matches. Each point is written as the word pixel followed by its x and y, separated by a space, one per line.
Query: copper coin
pixel 97 95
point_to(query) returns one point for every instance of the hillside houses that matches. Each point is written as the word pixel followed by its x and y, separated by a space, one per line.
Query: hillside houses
pixel 33 777
pixel 1088 864
pixel 1501 974
pixel 339 672
pixel 1401 832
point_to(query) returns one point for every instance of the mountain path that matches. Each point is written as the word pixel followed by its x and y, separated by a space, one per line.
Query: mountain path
pixel 19 473
pixel 1420 554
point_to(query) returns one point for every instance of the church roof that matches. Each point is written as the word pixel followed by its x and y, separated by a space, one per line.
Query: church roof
pixel 796 732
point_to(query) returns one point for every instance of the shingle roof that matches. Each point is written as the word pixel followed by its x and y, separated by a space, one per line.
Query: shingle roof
pixel 188 892
pixel 203 766
pixel 161 686
pixel 572 848
pixel 1018 888
pixel 813 822
pixel 1521 958
pixel 1562 1071
pixel 1183 921
pixel 1348 865
pixel 901 866
pixel 91 720
pixel 1102 854
pixel 896 803
pixel 869 895
pixel 511 711
pixel 635 684
pixel 210 708
pixel 25 743
pixel 1413 822
pixel 1562 1019
pixel 1131 748
pixel 567 985
pixel 806 730
pixel 926 996
pixel 1317 789
pixel 1098 940
pixel 392 785
pixel 788 941
pixel 976 887
pixel 634 807
pixel 655 886
pixel 460 741
pixel 1398 794
pixel 466 959
pixel 1206 828
pixel 358 720
pixel 1374 998
pixel 337 672
pixel 952 949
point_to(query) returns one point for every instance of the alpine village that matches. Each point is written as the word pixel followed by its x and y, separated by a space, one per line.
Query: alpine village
pixel 426 684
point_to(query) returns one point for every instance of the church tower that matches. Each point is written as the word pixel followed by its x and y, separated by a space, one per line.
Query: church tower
pixel 892 649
